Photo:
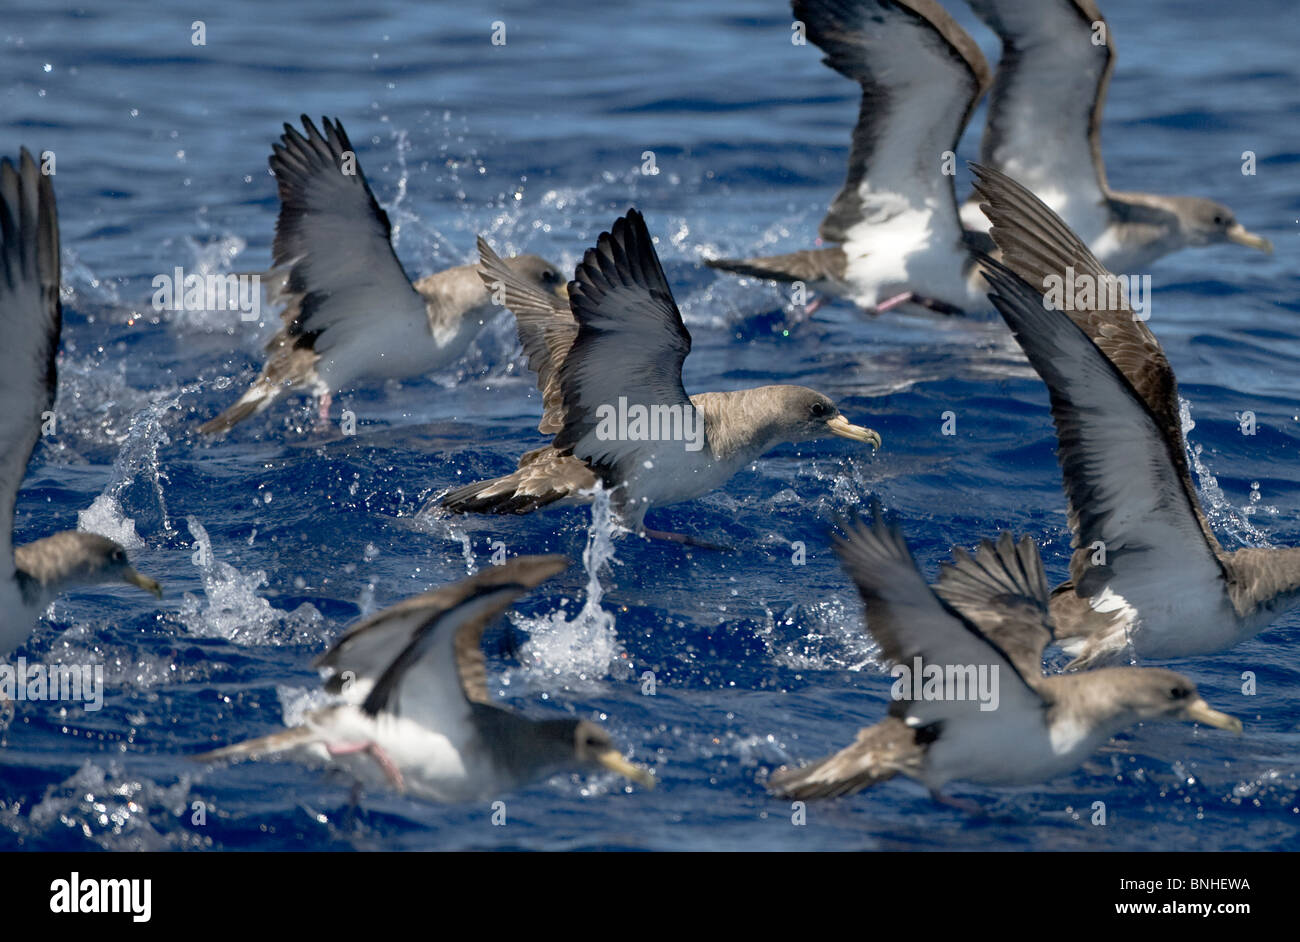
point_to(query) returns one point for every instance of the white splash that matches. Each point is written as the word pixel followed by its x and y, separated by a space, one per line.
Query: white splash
pixel 1218 509
pixel 231 608
pixel 105 517
pixel 579 651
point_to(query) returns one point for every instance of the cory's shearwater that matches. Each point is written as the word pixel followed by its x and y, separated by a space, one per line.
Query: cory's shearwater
pixel 350 311
pixel 416 712
pixel 986 617
pixel 610 370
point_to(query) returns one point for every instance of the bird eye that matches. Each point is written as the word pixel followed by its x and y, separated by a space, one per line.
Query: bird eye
pixel 118 556
pixel 1179 693
pixel 550 277
pixel 1220 220
pixel 821 410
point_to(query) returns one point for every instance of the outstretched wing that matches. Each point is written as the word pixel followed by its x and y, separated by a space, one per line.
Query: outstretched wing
pixel 1044 116
pixel 921 76
pixel 1002 588
pixel 909 621
pixel 30 320
pixel 631 342
pixel 421 657
pixel 332 239
pixel 1121 469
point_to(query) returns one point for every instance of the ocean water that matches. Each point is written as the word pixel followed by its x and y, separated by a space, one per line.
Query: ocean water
pixel 271 541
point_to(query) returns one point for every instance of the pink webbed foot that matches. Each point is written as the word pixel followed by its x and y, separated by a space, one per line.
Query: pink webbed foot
pixel 391 771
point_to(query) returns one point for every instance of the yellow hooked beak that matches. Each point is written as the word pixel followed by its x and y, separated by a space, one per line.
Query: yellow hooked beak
pixel 143 581
pixel 615 762
pixel 1202 712
pixel 845 429
pixel 562 290
pixel 1243 236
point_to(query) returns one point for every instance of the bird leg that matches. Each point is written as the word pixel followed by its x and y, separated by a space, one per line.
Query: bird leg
pixel 685 540
pixel 323 408
pixel 934 304
pixel 391 771
pixel 809 309
pixel 961 804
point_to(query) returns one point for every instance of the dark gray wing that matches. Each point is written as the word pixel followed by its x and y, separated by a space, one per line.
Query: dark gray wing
pixel 1121 471
pixel 908 620
pixel 30 320
pixel 332 238
pixel 921 76
pixel 1044 115
pixel 631 341
pixel 1037 246
pixel 421 657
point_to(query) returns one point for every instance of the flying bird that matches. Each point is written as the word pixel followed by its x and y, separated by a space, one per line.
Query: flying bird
pixel 1044 130
pixel 988 613
pixel 616 354
pixel 416 714
pixel 1148 577
pixel 351 314
pixel 31 317
pixel 895 223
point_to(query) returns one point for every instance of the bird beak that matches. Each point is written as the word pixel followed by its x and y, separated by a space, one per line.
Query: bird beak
pixel 562 289
pixel 615 762
pixel 844 429
pixel 143 581
pixel 1202 712
pixel 1243 236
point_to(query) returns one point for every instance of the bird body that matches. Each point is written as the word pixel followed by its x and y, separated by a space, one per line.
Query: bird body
pixel 415 713
pixel 31 319
pixel 351 314
pixel 989 612
pixel 1148 577
pixel 616 351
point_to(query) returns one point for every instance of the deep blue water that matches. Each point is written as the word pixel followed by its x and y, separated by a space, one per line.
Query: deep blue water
pixel 161 161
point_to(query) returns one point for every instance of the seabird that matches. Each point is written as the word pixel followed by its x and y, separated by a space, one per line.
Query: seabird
pixel 1147 574
pixel 416 711
pixel 31 318
pixel 351 312
pixel 988 612
pixel 617 353
pixel 1044 130
pixel 896 219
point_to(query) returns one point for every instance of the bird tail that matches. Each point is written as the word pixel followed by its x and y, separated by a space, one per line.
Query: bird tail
pixel 260 395
pixel 503 495
pixel 263 746
pixel 809 265
pixel 878 754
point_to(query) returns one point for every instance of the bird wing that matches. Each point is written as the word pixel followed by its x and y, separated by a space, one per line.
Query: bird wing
pixel 1121 469
pixel 422 656
pixel 332 245
pixel 921 75
pixel 545 326
pixel 631 343
pixel 30 320
pixel 1044 116
pixel 1038 246
pixel 1002 588
pixel 908 620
